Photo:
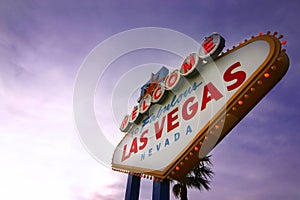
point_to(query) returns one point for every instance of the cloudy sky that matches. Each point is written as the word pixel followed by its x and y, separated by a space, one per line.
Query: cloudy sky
pixel 44 43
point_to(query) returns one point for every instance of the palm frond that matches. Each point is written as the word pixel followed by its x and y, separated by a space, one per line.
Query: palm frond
pixel 206 160
pixel 199 177
pixel 199 183
pixel 176 190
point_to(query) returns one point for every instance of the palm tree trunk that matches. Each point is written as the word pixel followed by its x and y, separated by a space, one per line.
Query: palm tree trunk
pixel 183 192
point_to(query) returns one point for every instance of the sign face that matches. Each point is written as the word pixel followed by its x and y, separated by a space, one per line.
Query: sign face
pixel 183 114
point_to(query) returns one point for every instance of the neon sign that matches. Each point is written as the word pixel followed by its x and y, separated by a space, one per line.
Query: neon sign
pixel 181 115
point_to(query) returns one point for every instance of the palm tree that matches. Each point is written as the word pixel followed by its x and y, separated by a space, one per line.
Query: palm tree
pixel 199 177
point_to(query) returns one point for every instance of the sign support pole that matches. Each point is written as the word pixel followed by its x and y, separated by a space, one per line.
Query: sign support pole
pixel 161 190
pixel 133 187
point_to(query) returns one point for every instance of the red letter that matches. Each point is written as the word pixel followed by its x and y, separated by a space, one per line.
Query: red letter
pixel 125 124
pixel 187 66
pixel 239 76
pixel 143 140
pixel 157 93
pixel 193 109
pixel 145 104
pixel 124 157
pixel 172 79
pixel 134 114
pixel 134 148
pixel 158 130
pixel 172 118
pixel 208 45
pixel 215 94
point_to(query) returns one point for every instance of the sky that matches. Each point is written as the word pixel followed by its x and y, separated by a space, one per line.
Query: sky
pixel 44 43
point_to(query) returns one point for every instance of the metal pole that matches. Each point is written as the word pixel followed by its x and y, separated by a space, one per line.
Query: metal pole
pixel 161 190
pixel 133 187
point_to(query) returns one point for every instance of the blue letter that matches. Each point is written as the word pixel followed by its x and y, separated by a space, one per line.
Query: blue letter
pixel 188 130
pixel 150 152
pixel 176 136
pixel 158 146
pixel 143 156
pixel 167 142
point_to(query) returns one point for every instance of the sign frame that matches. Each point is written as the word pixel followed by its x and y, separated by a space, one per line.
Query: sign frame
pixel 265 77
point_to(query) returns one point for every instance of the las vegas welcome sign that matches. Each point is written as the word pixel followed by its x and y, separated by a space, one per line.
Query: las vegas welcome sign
pixel 183 114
